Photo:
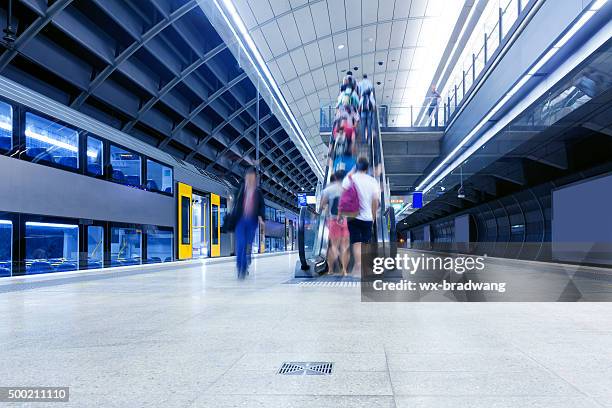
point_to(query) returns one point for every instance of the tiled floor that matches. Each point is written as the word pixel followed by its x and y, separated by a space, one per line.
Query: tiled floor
pixel 195 337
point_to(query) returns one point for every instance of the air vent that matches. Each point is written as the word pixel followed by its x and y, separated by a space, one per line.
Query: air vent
pixel 306 368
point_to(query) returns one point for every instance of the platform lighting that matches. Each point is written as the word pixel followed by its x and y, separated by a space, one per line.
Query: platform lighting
pixel 584 18
pixel 248 45
pixel 46 139
pixel 50 225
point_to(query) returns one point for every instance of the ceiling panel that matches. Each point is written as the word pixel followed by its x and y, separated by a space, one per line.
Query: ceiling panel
pixel 385 9
pixel 369 11
pixel 261 10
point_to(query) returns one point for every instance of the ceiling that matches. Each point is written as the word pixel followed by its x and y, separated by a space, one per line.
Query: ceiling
pixel 308 45
pixel 157 70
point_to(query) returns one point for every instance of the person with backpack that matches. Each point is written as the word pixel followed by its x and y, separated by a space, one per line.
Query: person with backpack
pixel 361 198
pixel 367 106
pixel 336 224
pixel 342 150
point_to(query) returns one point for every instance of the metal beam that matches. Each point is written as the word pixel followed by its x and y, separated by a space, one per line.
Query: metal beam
pixel 31 32
pixel 220 127
pixel 174 82
pixel 132 49
pixel 196 111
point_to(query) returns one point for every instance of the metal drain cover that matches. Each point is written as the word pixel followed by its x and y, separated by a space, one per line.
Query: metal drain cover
pixel 306 368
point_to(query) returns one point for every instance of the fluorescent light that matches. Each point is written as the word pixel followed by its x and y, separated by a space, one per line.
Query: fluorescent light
pixel 50 225
pixel 46 139
pixel 7 222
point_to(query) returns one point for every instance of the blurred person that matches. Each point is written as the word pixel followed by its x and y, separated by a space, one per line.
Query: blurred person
pixel 342 150
pixel 247 212
pixel 368 191
pixel 336 224
pixel 367 105
pixel 433 106
pixel 364 85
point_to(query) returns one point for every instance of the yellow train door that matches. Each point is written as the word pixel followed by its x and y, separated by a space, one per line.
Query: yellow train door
pixel 185 244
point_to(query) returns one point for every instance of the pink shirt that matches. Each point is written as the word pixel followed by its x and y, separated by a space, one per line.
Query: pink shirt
pixel 249 201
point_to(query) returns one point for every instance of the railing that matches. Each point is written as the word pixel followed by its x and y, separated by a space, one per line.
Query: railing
pixel 496 23
pixel 395 116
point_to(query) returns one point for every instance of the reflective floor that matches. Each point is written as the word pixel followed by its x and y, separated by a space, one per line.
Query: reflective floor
pixel 195 337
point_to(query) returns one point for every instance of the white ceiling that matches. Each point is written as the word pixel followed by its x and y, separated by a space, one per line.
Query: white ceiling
pixel 307 45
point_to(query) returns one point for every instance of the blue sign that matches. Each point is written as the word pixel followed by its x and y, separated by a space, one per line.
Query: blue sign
pixel 417 199
pixel 302 201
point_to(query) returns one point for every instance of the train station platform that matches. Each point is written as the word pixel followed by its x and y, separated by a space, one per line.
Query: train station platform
pixel 191 335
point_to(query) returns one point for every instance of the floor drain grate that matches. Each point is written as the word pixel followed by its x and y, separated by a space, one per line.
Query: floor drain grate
pixel 306 368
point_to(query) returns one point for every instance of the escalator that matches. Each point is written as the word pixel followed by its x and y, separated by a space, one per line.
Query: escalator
pixel 312 230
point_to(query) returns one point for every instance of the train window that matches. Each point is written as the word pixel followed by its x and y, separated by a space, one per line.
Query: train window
pixel 126 246
pixel 95 165
pixel 185 220
pixel 125 166
pixel 213 226
pixel 51 247
pixel 159 177
pixel 159 245
pixel 48 141
pixel 6 247
pixel 95 246
pixel 6 126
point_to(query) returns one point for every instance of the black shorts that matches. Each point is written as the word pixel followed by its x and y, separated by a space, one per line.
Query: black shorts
pixel 360 231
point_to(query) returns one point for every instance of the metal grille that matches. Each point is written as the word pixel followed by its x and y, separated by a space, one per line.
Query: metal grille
pixel 306 368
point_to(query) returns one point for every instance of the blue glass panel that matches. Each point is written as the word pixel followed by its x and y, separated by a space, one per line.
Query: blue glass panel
pixel 126 246
pixel 6 247
pixel 51 247
pixel 95 246
pixel 95 166
pixel 51 142
pixel 159 246
pixel 125 166
pixel 159 177
pixel 6 126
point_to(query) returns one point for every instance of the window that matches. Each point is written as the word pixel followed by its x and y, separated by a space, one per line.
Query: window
pixel 51 247
pixel 185 220
pixel 159 177
pixel 6 248
pixel 48 141
pixel 95 246
pixel 95 149
pixel 125 166
pixel 159 246
pixel 214 223
pixel 126 246
pixel 6 126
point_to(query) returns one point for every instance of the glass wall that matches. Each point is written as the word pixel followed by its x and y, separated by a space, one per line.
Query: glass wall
pixel 51 247
pixel 95 246
pixel 95 153
pixel 159 177
pixel 126 246
pixel 159 245
pixel 6 247
pixel 51 142
pixel 200 225
pixel 125 166
pixel 6 126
